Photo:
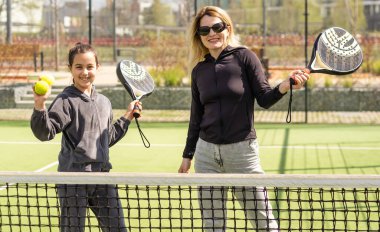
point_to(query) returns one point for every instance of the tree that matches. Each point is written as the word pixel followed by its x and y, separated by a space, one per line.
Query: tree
pixel 354 12
pixel 159 14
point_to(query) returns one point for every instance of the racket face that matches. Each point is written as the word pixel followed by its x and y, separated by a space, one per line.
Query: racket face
pixel 136 80
pixel 336 52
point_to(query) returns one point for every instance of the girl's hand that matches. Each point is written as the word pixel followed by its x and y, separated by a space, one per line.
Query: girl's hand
pixel 129 114
pixel 39 100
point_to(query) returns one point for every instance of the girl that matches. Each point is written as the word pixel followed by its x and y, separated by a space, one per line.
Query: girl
pixel 85 118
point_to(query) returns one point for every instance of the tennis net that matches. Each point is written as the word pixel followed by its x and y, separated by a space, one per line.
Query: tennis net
pixel 188 202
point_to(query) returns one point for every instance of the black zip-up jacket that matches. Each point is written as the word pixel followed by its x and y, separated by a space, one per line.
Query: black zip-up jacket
pixel 223 95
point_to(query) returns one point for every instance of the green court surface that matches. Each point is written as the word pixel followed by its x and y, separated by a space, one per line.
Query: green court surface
pixel 284 148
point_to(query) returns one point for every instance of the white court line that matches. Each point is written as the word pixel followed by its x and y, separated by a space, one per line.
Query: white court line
pixel 29 142
pixel 38 170
pixel 324 147
pixel 317 147
pixel 47 167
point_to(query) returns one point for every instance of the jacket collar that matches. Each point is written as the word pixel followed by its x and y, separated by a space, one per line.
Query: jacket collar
pixel 226 52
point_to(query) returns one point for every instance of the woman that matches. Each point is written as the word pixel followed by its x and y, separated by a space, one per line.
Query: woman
pixel 226 80
pixel 85 118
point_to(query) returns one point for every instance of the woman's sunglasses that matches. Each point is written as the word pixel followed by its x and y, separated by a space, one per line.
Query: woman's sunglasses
pixel 217 28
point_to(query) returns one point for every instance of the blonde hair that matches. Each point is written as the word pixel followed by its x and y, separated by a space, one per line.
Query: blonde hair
pixel 198 50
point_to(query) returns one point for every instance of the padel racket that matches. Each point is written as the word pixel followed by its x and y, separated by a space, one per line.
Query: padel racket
pixel 138 83
pixel 335 52
pixel 136 80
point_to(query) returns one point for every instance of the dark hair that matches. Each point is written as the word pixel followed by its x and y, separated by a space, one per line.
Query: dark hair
pixel 81 48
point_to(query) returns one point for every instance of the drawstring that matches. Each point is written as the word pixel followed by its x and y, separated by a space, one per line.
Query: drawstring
pixel 217 159
pixel 143 137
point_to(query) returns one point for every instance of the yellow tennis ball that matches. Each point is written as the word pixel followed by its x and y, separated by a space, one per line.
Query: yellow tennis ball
pixel 41 87
pixel 48 78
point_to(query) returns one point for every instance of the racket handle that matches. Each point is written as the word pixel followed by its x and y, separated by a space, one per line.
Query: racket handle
pixel 305 70
pixel 136 111
pixel 292 81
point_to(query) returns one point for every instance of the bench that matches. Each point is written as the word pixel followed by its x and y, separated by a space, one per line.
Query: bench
pixel 16 60
pixel 261 55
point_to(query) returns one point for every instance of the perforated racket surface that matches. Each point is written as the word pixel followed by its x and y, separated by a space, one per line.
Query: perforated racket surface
pixel 136 80
pixel 335 52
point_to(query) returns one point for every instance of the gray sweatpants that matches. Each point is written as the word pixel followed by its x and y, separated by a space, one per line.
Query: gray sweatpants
pixel 241 157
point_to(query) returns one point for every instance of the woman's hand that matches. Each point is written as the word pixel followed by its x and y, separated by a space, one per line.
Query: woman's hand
pixel 185 166
pixel 299 76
